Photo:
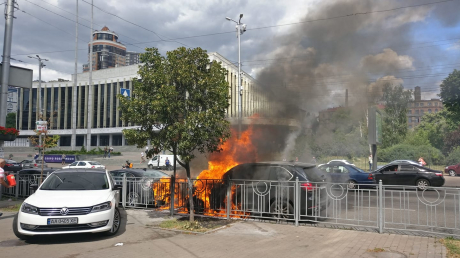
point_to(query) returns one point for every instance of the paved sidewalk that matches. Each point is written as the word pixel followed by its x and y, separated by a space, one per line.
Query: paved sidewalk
pixel 241 239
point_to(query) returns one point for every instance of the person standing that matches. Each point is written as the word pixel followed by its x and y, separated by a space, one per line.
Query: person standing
pixel 109 151
pixel 167 163
pixel 313 160
pixel 142 157
pixel 105 152
pixel 63 159
pixel 3 176
pixel 370 162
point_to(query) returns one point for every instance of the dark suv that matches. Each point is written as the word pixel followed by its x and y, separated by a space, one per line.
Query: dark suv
pixel 268 187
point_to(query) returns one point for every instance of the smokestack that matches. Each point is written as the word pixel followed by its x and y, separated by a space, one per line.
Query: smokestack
pixel 346 98
pixel 417 93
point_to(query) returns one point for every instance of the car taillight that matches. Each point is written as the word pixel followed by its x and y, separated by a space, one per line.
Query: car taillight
pixel 370 177
pixel 92 167
pixel 308 186
pixel 438 174
pixel 36 165
pixel 8 165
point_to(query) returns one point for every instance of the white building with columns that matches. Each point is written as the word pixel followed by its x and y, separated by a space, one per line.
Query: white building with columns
pixel 106 124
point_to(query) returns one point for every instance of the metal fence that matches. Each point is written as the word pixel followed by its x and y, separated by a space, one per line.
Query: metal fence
pixel 434 210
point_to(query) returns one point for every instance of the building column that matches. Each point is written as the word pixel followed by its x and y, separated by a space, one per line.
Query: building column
pixel 98 141
pixel 21 104
pixel 122 140
pixel 59 142
pixel 85 115
pixel 104 121
pixel 110 139
pixel 52 108
pixel 98 116
pixel 79 99
pixel 84 140
pixel 124 87
pixel 29 119
pixel 66 104
pixel 112 108
pixel 59 107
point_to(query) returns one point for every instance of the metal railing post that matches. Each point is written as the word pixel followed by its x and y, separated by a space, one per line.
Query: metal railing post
pixel 172 186
pixel 16 190
pixel 124 189
pixel 296 202
pixel 229 199
pixel 381 219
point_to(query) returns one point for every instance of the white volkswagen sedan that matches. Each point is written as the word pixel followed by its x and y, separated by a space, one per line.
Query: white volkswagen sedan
pixel 71 201
pixel 85 164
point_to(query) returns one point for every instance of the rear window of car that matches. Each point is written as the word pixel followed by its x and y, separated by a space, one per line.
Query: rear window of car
pixel 76 181
pixel 313 174
pixel 94 163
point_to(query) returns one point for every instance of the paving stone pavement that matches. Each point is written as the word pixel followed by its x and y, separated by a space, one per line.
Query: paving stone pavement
pixel 241 239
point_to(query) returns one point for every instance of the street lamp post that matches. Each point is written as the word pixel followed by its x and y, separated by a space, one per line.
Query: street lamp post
pixel 39 94
pixel 240 29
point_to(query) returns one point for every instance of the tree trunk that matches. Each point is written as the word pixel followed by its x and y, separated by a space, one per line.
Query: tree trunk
pixel 190 193
pixel 173 183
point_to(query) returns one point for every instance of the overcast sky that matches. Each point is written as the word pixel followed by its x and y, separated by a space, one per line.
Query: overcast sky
pixel 377 40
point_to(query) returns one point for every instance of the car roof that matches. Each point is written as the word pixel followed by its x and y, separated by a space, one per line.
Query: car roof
pixel 282 163
pixel 89 170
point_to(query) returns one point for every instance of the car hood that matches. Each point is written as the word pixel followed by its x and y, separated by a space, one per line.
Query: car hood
pixel 80 198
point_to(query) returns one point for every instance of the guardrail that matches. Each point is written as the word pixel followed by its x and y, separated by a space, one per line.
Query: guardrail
pixel 434 210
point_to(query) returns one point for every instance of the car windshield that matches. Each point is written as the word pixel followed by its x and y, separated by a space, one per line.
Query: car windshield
pixel 94 163
pixel 76 181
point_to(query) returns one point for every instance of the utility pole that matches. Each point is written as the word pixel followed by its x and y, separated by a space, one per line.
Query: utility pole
pixel 90 87
pixel 240 29
pixel 8 36
pixel 39 95
pixel 74 94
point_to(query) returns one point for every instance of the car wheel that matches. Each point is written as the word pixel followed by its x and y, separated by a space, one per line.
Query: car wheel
pixel 281 210
pixel 422 184
pixel 452 173
pixel 151 166
pixel 16 231
pixel 351 184
pixel 133 199
pixel 116 223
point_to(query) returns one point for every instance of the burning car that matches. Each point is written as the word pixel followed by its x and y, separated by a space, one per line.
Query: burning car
pixel 267 189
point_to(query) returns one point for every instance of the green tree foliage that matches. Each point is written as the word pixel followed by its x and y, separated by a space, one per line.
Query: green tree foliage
pixel 179 104
pixel 434 127
pixel 454 157
pixel 452 140
pixel 450 92
pixel 405 151
pixel 11 120
pixel 394 127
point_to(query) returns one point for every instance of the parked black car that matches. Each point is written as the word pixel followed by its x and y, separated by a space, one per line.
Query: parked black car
pixel 139 184
pixel 265 197
pixel 12 166
pixel 409 174
pixel 33 163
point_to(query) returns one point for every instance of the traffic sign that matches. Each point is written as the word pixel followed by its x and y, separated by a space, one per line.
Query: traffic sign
pixel 42 125
pixel 125 93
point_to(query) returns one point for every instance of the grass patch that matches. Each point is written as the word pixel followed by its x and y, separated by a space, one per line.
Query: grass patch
pixel 376 250
pixel 12 208
pixel 199 225
pixel 453 247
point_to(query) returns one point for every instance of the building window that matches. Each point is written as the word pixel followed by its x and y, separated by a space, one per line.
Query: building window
pixel 436 104
pixel 409 112
pixel 416 104
pixel 436 110
pixel 421 104
pixel 421 111
pixel 416 112
pixel 429 103
pixel 429 110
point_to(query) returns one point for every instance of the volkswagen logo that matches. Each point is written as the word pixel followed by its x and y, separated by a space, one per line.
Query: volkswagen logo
pixel 64 211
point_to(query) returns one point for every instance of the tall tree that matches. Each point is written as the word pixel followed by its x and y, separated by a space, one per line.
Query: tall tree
pixel 450 92
pixel 394 127
pixel 179 104
pixel 436 126
pixel 11 120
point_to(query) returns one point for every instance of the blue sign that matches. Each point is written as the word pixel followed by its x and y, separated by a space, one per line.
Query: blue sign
pixel 58 158
pixel 125 93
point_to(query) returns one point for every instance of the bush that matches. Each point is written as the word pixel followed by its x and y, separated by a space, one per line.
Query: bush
pixel 430 154
pixel 454 157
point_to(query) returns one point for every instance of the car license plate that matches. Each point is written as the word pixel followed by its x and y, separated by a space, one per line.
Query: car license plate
pixel 63 221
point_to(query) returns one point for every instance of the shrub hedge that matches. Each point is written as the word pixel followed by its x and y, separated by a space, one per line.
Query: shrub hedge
pixel 430 154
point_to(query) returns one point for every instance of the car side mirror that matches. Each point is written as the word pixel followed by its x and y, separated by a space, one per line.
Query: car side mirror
pixel 33 187
pixel 117 187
